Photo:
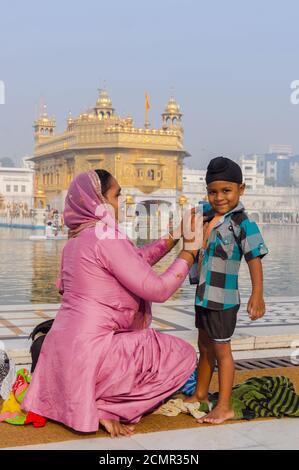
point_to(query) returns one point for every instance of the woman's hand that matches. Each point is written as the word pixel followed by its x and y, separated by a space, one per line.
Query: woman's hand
pixel 177 232
pixel 192 235
pixel 192 230
pixel 116 429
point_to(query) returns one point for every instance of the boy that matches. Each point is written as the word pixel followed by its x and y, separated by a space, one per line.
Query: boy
pixel 227 237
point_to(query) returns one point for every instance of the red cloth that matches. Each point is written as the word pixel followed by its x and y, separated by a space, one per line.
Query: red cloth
pixel 37 420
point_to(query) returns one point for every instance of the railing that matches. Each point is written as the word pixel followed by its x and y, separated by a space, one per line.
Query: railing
pixel 95 136
pixel 55 144
pixel 32 220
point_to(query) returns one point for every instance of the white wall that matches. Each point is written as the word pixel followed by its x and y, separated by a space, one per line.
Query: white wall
pixel 17 185
pixel 251 176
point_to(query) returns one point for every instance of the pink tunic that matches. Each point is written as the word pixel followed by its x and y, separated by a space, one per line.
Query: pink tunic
pixel 100 359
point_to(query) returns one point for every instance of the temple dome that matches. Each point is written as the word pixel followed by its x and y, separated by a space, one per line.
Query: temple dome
pixel 104 101
pixel 172 107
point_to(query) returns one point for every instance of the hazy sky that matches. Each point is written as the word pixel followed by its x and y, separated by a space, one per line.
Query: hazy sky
pixel 229 62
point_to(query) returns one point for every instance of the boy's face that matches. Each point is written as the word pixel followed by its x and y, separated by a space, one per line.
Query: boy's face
pixel 224 195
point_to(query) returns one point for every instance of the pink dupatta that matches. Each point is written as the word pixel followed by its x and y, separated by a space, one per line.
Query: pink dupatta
pixel 85 204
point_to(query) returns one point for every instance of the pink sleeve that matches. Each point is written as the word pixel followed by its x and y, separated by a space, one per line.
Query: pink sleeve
pixel 124 261
pixel 153 252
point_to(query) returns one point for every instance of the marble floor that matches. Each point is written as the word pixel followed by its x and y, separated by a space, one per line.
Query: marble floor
pixel 174 317
pixel 280 434
pixel 252 339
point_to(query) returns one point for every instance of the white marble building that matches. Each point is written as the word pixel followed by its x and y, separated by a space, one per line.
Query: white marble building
pixel 266 204
pixel 194 184
pixel 17 186
pixel 251 176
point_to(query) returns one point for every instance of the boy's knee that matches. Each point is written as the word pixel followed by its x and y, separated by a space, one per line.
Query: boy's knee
pixel 203 348
pixel 204 342
pixel 222 349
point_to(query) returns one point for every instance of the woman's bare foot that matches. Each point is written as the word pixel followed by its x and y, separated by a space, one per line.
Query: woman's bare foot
pixel 217 416
pixel 116 429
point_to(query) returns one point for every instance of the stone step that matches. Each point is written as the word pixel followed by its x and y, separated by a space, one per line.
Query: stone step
pixel 242 343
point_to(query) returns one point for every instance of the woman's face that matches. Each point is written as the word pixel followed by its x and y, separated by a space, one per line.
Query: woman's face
pixel 114 198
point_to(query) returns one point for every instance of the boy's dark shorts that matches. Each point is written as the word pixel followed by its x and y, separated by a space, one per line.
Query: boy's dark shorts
pixel 218 324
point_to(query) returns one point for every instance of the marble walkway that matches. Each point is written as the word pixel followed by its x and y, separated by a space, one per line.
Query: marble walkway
pixel 278 329
pixel 274 335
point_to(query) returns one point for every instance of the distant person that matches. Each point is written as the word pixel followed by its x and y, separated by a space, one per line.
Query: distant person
pixel 228 236
pixel 137 223
pixel 49 229
pixel 101 362
pixel 62 223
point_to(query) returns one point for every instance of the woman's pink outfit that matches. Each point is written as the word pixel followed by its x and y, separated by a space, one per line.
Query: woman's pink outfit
pixel 101 359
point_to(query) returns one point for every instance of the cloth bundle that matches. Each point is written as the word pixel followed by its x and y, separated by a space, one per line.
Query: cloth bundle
pixel 11 411
pixel 257 397
pixel 176 406
pixel 189 387
pixel 266 396
pixel 7 374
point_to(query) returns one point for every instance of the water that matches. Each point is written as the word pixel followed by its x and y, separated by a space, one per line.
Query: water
pixel 29 269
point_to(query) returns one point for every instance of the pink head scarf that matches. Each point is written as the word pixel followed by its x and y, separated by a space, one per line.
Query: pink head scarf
pixel 85 204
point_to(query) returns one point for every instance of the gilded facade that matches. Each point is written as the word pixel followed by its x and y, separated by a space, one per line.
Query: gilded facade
pixel 146 162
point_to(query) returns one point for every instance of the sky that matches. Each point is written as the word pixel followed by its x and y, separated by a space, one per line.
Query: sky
pixel 228 63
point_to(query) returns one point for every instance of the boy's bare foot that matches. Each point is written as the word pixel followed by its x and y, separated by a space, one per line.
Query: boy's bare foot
pixel 116 429
pixel 195 398
pixel 217 416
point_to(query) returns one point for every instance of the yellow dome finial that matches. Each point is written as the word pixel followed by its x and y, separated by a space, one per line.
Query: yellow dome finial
pixel 172 115
pixel 104 108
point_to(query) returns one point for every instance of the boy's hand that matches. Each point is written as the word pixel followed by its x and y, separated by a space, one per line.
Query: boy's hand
pixel 256 307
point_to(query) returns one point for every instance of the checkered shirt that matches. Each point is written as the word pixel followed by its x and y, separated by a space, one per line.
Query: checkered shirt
pixel 233 236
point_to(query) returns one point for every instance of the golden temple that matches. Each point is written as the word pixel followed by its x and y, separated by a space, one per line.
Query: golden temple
pixel 146 162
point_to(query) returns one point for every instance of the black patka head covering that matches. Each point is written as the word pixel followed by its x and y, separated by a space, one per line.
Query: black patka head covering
pixel 223 169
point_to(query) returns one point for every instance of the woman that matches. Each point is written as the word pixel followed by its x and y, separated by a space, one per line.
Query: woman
pixel 100 362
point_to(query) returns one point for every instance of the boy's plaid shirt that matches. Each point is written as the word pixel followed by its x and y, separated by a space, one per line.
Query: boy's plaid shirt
pixel 233 236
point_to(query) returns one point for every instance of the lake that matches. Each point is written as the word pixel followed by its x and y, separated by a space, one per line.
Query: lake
pixel 29 269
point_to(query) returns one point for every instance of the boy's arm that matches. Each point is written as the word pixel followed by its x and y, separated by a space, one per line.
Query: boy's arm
pixel 254 249
pixel 256 305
